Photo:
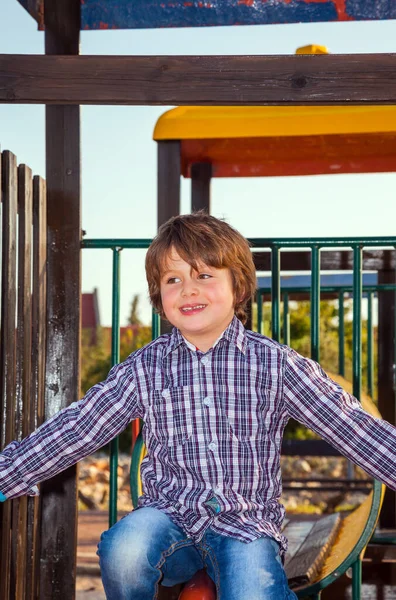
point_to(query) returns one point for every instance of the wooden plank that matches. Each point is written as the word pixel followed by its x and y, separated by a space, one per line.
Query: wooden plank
pixel 36 416
pixel 296 532
pixel 7 344
pixel 201 175
pixel 307 560
pixel 23 365
pixel 333 260
pixel 204 80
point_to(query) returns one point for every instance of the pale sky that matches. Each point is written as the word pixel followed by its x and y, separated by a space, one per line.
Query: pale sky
pixel 119 156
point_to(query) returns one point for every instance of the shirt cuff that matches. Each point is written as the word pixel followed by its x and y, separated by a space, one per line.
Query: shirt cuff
pixel 2 497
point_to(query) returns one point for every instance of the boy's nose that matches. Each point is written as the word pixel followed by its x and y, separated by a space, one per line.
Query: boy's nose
pixel 189 289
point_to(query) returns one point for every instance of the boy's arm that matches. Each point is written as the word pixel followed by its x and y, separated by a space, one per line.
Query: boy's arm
pixel 75 432
pixel 318 402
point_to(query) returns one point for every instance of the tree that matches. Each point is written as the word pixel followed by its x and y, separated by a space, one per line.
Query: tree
pixel 133 318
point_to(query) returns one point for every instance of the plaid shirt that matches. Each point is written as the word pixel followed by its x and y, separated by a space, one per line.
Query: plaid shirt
pixel 213 426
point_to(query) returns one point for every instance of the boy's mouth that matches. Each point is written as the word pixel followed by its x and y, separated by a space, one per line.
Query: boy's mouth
pixel 191 309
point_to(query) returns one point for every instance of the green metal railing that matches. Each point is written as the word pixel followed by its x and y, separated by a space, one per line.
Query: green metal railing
pixel 315 245
pixel 367 290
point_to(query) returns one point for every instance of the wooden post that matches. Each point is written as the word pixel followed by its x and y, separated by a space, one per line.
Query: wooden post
pixel 59 496
pixel 168 206
pixel 386 364
pixel 201 175
pixel 168 190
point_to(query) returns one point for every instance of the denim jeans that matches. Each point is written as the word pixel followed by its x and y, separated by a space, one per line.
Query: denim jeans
pixel 145 548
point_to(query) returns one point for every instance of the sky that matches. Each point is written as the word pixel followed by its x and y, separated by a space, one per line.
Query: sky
pixel 119 156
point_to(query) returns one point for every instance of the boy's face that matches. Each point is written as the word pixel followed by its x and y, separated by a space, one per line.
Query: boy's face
pixel 200 304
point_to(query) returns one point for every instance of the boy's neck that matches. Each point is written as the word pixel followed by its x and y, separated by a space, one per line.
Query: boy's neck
pixel 203 343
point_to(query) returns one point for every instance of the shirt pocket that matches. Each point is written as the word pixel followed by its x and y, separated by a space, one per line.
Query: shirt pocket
pixel 170 415
pixel 242 411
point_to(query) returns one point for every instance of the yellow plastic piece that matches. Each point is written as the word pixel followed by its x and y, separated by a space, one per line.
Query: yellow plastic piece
pixel 211 122
pixel 312 49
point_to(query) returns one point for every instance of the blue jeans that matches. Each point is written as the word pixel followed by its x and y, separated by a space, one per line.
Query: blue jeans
pixel 146 548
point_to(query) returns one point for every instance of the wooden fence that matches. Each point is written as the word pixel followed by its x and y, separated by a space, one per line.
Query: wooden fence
pixel 22 359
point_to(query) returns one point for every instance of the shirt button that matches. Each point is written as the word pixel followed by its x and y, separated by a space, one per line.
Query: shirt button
pixel 207 401
pixel 212 446
pixel 204 361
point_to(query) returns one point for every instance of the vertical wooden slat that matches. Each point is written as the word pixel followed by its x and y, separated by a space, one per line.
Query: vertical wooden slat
pixel 37 368
pixel 7 344
pixel 23 365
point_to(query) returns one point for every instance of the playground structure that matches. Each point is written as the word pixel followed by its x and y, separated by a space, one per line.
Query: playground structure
pixel 286 80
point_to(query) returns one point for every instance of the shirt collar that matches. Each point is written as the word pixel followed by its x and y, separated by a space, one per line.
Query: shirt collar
pixel 235 334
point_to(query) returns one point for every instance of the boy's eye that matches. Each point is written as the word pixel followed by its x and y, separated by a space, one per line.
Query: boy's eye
pixel 173 280
pixel 204 276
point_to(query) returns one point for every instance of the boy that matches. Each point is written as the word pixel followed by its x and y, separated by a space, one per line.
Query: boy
pixel 215 399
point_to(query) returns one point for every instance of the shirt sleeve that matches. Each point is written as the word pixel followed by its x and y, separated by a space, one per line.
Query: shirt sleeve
pixel 73 433
pixel 315 400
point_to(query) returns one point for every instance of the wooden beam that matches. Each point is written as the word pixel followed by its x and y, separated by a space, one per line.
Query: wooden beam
pixel 203 80
pixel 201 175
pixel 59 495
pixel 168 191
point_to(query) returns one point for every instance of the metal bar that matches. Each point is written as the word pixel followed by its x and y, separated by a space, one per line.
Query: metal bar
pixel 315 303
pixel 102 243
pixel 357 322
pixel 370 345
pixel 275 293
pixel 381 287
pixel 155 325
pixel 286 319
pixel 341 334
pixel 115 359
pixel 357 579
pixel 256 242
pixel 322 242
pixel 259 312
pixel 331 259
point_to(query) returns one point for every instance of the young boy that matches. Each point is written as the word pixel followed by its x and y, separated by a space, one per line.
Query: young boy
pixel 215 399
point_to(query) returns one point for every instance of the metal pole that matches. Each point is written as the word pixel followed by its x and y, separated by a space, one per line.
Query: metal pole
pixel 357 579
pixel 341 334
pixel 315 303
pixel 115 359
pixel 259 312
pixel 357 322
pixel 370 345
pixel 275 292
pixel 286 319
pixel 155 325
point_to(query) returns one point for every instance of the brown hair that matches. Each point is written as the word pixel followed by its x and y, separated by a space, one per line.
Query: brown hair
pixel 197 238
